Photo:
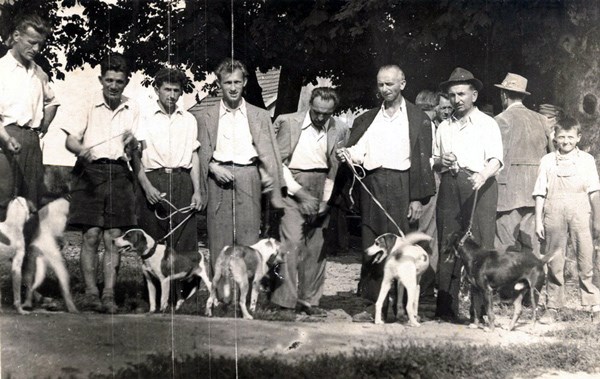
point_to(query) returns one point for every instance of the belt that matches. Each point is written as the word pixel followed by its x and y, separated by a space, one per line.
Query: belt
pixel 167 170
pixel 230 163
pixel 106 161
pixel 24 127
pixel 320 170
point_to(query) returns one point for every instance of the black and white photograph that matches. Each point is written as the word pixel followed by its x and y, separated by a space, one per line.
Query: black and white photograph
pixel 299 189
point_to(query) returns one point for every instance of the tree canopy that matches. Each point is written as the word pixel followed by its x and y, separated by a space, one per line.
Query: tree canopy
pixel 345 40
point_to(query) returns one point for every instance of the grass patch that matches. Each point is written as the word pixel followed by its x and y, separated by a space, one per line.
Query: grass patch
pixel 409 361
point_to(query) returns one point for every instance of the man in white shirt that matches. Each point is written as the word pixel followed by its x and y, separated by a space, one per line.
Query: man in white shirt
pixel 27 107
pixel 468 153
pixel 307 142
pixel 103 200
pixel 236 137
pixel 393 144
pixel 171 165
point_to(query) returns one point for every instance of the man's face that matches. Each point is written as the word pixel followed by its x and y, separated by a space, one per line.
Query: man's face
pixel 233 85
pixel 28 44
pixel 113 84
pixel 321 111
pixel 444 109
pixel 462 97
pixel 390 83
pixel 566 140
pixel 168 94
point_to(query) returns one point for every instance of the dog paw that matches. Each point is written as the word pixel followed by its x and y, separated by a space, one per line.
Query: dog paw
pixel 379 322
pixel 414 324
pixel 473 325
pixel 21 311
pixel 248 317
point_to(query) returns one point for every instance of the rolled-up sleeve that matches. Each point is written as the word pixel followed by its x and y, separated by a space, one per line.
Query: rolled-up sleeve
pixel 493 143
pixel 541 184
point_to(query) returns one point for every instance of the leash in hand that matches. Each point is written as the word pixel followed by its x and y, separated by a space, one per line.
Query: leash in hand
pixel 189 209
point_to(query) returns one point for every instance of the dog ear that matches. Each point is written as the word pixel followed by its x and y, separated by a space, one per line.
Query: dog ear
pixel 138 241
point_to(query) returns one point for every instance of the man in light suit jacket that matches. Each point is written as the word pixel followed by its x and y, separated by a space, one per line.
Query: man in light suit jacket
pixel 307 142
pixel 235 139
pixel 526 139
pixel 393 144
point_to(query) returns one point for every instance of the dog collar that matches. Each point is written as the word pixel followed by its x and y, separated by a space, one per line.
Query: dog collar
pixel 150 252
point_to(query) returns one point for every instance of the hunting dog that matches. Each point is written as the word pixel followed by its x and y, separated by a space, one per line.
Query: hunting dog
pixel 240 264
pixel 512 273
pixel 405 262
pixel 12 242
pixel 46 229
pixel 163 264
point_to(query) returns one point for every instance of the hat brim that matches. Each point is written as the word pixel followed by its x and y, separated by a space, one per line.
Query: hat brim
pixel 511 89
pixel 475 82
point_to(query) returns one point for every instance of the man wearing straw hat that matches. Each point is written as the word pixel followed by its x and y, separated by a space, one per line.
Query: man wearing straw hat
pixel 468 154
pixel 103 201
pixel 526 139
pixel 393 145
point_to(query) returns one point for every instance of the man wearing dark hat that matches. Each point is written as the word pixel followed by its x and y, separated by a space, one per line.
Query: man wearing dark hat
pixel 526 139
pixel 468 154
pixel 393 145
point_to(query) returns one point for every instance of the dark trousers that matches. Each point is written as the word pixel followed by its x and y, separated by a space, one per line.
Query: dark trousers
pixel 391 188
pixel 179 189
pixel 455 202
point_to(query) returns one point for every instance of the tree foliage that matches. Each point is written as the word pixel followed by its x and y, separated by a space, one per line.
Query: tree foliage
pixel 343 39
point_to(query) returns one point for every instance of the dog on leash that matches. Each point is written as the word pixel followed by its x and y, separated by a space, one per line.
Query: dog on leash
pixel 508 272
pixel 12 242
pixel 162 263
pixel 405 262
pixel 47 228
pixel 240 264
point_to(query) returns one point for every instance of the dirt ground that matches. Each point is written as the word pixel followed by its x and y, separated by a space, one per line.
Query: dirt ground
pixel 57 344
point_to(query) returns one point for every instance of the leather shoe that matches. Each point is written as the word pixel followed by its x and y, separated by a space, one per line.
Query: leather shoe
pixel 363 316
pixel 312 311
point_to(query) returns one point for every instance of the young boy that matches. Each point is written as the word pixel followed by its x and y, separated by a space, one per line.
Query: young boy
pixel 103 201
pixel 565 193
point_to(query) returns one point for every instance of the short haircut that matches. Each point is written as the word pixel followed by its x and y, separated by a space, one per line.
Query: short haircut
pixel 170 75
pixel 514 95
pixel 566 123
pixel 441 94
pixel 426 100
pixel 325 93
pixel 392 66
pixel 34 21
pixel 228 66
pixel 115 62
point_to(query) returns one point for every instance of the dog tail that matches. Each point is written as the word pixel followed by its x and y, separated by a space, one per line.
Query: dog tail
pixel 411 239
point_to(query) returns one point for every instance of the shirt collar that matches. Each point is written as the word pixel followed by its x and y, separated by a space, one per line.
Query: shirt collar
pixel 223 110
pixel 156 108
pixel 308 122
pixel 100 101
pixel 398 112
pixel 570 155
pixel 14 63
pixel 471 118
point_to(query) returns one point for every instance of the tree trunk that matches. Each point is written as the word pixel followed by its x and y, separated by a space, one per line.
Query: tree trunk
pixel 288 93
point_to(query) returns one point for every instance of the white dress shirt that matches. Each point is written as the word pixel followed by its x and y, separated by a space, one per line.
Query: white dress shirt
pixel 386 142
pixel 24 92
pixel 105 129
pixel 234 140
pixel 171 140
pixel 474 140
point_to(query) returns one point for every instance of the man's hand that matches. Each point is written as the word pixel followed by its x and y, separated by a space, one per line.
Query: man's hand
pixel 86 155
pixel 222 174
pixel 13 145
pixel 152 194
pixel 415 211
pixel 196 201
pixel 341 154
pixel 448 159
pixel 477 180
pixel 539 230
pixel 323 208
pixel 309 205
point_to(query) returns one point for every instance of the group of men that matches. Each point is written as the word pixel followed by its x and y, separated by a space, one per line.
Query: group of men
pixel 141 167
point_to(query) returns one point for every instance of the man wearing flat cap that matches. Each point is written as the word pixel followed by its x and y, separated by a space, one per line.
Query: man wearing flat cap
pixel 468 154
pixel 526 139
